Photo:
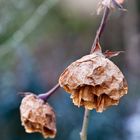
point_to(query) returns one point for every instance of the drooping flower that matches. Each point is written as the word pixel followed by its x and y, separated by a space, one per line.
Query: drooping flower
pixel 37 116
pixel 94 82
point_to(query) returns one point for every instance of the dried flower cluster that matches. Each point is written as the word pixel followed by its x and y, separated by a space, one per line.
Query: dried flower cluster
pixel 37 116
pixel 94 82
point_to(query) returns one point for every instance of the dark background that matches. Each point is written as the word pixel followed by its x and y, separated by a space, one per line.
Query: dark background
pixel 39 38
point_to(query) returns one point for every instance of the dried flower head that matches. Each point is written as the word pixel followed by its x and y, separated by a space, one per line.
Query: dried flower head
pixel 111 4
pixel 94 82
pixel 37 116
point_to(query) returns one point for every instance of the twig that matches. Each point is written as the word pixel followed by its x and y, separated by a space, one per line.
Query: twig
pixel 101 28
pixel 83 133
pixel 46 95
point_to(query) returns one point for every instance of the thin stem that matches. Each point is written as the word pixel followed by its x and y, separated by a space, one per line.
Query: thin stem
pixel 46 95
pixel 83 133
pixel 101 28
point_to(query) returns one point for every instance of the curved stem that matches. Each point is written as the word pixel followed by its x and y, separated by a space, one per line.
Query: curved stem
pixel 46 95
pixel 83 133
pixel 101 28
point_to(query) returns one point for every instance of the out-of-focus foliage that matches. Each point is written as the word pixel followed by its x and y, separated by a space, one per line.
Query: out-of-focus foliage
pixel 32 60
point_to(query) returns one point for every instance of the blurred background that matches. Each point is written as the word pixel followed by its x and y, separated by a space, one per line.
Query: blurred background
pixel 39 38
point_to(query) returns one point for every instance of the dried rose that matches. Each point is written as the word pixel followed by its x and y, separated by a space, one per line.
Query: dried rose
pixel 94 82
pixel 37 116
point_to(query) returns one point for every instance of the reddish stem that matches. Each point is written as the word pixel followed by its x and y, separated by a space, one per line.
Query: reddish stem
pixel 101 28
pixel 46 95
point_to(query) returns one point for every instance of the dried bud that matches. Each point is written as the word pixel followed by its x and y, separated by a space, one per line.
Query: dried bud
pixel 111 4
pixel 94 82
pixel 37 116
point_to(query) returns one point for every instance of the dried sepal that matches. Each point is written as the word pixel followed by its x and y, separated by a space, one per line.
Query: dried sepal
pixel 37 116
pixel 109 54
pixel 94 82
pixel 97 48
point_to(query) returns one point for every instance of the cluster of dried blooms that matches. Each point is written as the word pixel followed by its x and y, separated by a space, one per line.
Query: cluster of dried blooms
pixel 37 116
pixel 93 81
